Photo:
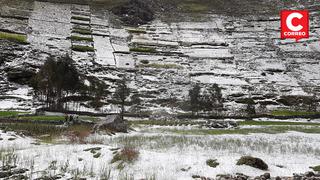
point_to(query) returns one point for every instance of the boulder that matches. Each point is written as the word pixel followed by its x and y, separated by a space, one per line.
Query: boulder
pixel 278 178
pixel 241 176
pixel 266 175
pixel 112 123
pixel 309 174
pixel 10 172
pixel 220 124
pixel 297 176
pixel 253 162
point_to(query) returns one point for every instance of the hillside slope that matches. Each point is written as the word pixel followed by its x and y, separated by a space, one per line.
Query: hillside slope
pixel 240 51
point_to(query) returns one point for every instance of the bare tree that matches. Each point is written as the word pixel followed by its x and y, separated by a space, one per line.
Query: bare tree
pixel 211 99
pixel 194 94
pixel 313 103
pixel 121 94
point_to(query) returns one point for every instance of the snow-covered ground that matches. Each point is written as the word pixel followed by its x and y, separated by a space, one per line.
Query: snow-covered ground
pixel 164 154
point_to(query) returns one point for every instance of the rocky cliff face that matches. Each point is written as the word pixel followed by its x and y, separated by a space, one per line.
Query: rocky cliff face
pixel 242 53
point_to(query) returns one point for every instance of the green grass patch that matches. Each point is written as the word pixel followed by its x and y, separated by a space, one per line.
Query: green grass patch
pixel 82 48
pixel 89 118
pixel 292 113
pixel 267 130
pixel 80 18
pixel 241 123
pixel 33 128
pixel 162 122
pixel 277 123
pixel 137 31
pixel 143 49
pixel 43 118
pixel 46 132
pixel 82 31
pixel 11 113
pixel 79 38
pixel 19 38
pixel 193 7
pixel 161 66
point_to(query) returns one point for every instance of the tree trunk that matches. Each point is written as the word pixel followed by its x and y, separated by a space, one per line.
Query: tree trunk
pixel 122 110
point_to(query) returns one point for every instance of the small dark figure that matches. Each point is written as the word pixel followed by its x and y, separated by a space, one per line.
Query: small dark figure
pixel 76 119
pixel 66 118
pixel 71 119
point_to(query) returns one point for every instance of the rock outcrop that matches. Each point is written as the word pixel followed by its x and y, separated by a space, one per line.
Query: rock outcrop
pixel 113 123
pixel 253 162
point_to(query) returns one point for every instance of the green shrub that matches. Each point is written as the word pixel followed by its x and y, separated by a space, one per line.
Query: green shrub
pixel 292 113
pixel 82 48
pixel 316 168
pixel 212 163
pixel 97 155
pixel 127 154
pixel 79 38
pixel 19 38
pixel 11 113
pixel 144 61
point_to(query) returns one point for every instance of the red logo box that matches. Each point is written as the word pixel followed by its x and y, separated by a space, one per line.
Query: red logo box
pixel 294 24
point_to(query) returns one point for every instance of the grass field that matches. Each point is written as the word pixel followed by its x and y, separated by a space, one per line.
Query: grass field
pixel 19 114
pixel 292 113
pixel 241 123
pixel 46 132
pixel 79 38
pixel 19 38
pixel 193 7
pixel 278 123
pixel 267 130
pixel 270 127
pixel 43 118
pixel 81 18
pixel 82 48
pixel 55 118
pixel 10 113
